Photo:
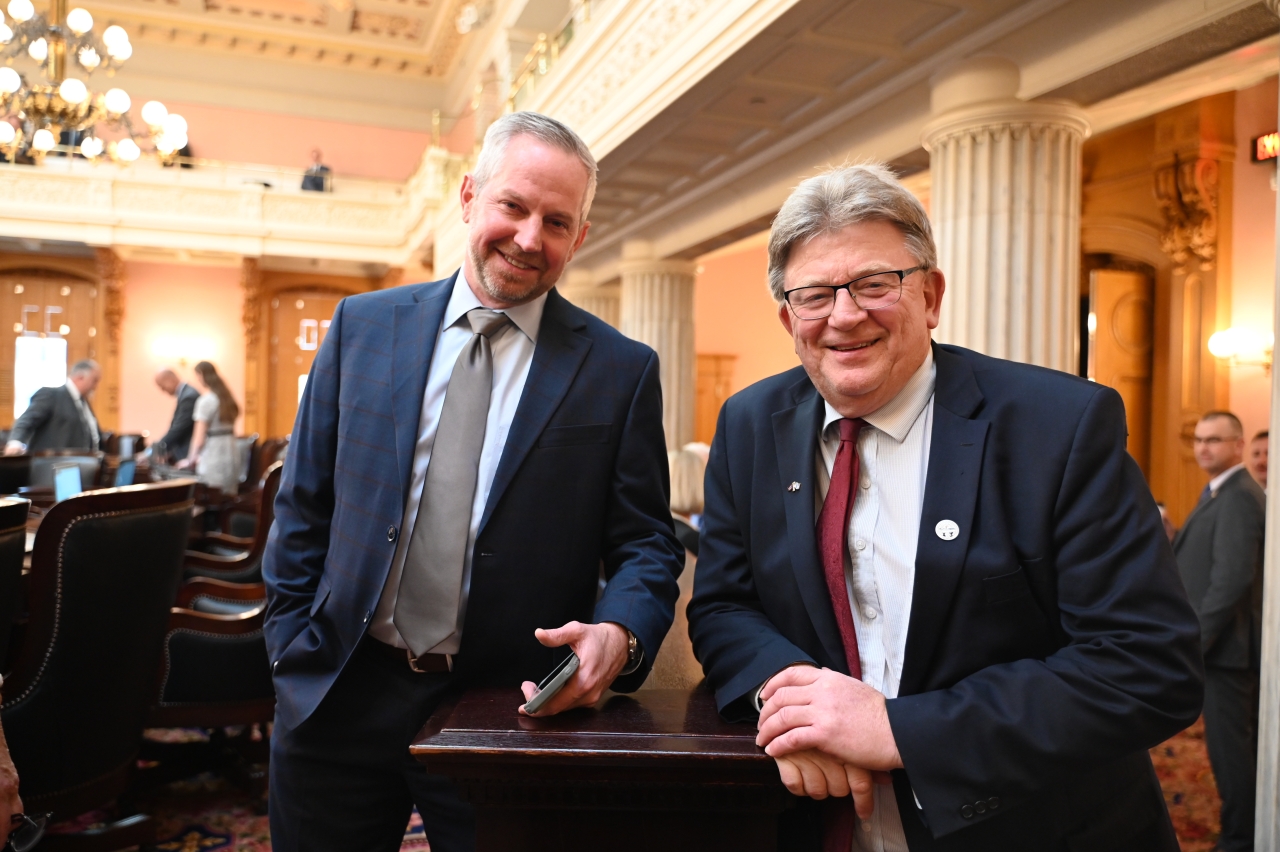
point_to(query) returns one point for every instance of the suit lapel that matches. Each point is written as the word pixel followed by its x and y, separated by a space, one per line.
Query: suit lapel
pixel 951 493
pixel 795 436
pixel 557 357
pixel 414 330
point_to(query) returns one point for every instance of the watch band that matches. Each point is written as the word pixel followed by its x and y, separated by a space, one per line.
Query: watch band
pixel 635 655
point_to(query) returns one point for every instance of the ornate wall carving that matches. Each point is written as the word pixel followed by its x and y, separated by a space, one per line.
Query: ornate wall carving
pixel 252 316
pixel 111 278
pixel 1187 192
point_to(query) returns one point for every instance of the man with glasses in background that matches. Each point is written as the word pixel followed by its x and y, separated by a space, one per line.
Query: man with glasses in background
pixel 1219 552
pixel 936 579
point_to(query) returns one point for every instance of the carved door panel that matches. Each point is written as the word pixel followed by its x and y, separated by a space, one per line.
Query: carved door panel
pixel 1122 340
pixel 715 375
pixel 41 306
pixel 299 322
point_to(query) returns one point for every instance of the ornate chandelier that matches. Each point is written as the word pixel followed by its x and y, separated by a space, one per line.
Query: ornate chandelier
pixel 34 114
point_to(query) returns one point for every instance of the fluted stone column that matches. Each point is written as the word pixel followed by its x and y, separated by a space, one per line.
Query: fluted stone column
pixel 1006 212
pixel 602 300
pixel 657 309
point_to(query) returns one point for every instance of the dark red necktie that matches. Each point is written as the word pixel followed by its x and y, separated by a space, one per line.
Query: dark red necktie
pixel 833 531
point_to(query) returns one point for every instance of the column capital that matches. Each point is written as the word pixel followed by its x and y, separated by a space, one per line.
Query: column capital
pixel 639 256
pixel 1005 115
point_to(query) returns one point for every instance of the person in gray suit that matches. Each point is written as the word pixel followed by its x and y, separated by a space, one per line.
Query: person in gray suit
pixel 1219 552
pixel 177 441
pixel 59 418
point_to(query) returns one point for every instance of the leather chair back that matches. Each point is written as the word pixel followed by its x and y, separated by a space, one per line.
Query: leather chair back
pixel 42 465
pixel 15 473
pixel 250 451
pixel 13 544
pixel 105 571
pixel 247 566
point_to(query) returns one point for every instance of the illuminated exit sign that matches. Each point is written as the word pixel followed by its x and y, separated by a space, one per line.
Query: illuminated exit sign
pixel 1266 147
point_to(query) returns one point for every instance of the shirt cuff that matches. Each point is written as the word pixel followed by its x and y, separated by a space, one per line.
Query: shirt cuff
pixel 16 445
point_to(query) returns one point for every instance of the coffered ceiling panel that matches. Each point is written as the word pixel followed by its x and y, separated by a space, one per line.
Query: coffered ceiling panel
pixel 902 21
pixel 824 66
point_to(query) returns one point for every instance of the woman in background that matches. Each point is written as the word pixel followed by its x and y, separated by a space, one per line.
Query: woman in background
pixel 214 450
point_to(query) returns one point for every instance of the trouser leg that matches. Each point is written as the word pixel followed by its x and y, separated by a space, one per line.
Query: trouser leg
pixel 1231 734
pixel 344 780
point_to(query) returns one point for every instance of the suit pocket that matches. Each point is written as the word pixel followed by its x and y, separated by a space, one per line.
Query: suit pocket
pixel 571 436
pixel 1006 587
pixel 322 594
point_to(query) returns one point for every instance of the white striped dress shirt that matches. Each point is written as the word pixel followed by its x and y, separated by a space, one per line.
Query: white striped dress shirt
pixel 880 552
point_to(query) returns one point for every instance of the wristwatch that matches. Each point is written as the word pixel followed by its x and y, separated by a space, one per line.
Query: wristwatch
pixel 635 654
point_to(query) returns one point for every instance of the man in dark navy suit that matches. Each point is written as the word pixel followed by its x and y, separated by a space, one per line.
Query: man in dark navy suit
pixel 935 579
pixel 469 457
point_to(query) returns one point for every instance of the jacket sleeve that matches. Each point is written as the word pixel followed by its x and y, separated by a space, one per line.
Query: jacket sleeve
pixel 642 557
pixel 36 415
pixel 299 541
pixel 1237 541
pixel 181 425
pixel 1128 677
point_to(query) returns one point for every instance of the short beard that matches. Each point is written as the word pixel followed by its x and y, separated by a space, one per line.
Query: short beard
pixel 501 290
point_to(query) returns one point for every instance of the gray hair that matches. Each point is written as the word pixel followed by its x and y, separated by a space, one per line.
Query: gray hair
pixel 844 196
pixel 543 128
pixel 88 365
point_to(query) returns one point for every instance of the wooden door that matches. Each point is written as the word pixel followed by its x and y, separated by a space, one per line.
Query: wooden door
pixel 715 383
pixel 1122 343
pixel 39 305
pixel 299 322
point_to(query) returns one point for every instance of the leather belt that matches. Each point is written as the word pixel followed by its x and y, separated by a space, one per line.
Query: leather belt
pixel 424 664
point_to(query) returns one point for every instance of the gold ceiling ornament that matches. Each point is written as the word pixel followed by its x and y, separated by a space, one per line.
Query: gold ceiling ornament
pixel 34 114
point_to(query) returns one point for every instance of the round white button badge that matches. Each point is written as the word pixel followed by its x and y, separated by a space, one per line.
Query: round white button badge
pixel 947 530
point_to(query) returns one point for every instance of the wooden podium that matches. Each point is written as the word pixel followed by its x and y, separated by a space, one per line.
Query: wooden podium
pixel 657 771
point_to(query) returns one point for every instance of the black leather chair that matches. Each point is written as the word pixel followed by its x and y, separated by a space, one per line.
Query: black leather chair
pixel 13 542
pixel 105 571
pixel 239 560
pixel 42 465
pixel 15 473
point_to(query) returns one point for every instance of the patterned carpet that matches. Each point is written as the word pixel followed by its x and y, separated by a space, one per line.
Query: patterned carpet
pixel 206 814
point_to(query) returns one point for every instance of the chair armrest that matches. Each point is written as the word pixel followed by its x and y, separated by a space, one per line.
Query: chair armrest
pixel 224 589
pixel 225 625
pixel 213 560
pixel 229 540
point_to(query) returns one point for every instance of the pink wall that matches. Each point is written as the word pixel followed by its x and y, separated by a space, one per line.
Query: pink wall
pixel 178 308
pixel 734 315
pixel 1253 249
pixel 248 136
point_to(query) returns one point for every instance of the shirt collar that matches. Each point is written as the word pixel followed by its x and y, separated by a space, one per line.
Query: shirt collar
pixel 526 317
pixel 896 417
pixel 73 390
pixel 1216 482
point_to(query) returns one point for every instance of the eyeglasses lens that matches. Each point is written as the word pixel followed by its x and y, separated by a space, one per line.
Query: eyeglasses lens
pixel 28 833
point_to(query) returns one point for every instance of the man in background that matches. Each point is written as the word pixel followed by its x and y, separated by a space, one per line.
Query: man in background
pixel 1258 457
pixel 59 418
pixel 319 177
pixel 1219 552
pixel 175 443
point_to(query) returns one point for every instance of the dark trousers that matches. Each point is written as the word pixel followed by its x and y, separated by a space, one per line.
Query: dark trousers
pixel 1231 734
pixel 343 780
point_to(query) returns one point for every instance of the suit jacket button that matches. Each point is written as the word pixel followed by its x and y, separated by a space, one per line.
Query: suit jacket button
pixel 391 533
pixel 967 812
pixel 980 806
pixel 993 803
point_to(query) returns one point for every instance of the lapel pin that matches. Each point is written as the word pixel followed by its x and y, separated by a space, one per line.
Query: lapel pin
pixel 795 486
pixel 947 530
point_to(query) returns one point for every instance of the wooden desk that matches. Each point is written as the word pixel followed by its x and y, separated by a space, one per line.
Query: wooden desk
pixel 656 771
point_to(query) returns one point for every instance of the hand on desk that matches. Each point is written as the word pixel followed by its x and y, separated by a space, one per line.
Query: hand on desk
pixel 814 720
pixel 602 651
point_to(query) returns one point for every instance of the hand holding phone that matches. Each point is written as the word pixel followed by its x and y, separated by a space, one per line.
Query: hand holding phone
pixel 552 684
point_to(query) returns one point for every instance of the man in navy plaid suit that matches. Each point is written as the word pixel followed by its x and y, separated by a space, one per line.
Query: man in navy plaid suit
pixel 571 479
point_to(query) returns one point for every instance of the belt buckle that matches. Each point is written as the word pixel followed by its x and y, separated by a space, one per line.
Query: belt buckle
pixel 413 662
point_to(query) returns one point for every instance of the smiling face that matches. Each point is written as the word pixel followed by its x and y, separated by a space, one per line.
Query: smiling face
pixel 525 224
pixel 858 359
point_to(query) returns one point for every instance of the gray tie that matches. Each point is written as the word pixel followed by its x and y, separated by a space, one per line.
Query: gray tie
pixel 431 586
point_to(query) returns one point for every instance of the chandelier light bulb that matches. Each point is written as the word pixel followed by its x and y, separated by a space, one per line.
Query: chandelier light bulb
pixel 6 34
pixel 174 125
pixel 21 10
pixel 120 51
pixel 117 101
pixel 79 21
pixel 39 50
pixel 154 113
pixel 7 133
pixel 10 80
pixel 127 150
pixel 91 147
pixel 43 140
pixel 73 91
pixel 89 58
pixel 114 35
pixel 164 144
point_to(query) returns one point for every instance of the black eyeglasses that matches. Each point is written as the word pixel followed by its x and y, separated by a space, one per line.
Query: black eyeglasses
pixel 25 832
pixel 870 292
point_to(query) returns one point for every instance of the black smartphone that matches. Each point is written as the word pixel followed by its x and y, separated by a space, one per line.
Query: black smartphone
pixel 552 683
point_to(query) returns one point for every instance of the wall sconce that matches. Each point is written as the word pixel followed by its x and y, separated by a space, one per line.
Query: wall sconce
pixel 1243 347
pixel 184 351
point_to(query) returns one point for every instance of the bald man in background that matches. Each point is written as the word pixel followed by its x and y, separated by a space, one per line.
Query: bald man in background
pixel 177 441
